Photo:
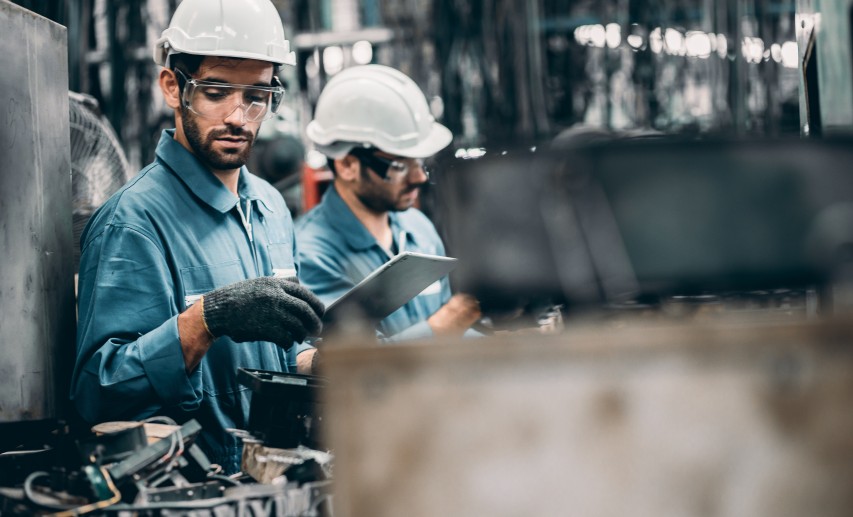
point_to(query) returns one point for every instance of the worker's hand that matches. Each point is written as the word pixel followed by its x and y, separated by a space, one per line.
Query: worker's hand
pixel 456 316
pixel 263 309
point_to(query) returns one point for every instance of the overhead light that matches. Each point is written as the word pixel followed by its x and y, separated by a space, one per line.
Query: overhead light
pixel 597 36
pixel 790 55
pixel 656 41
pixel 362 52
pixel 470 154
pixel 722 46
pixel 635 41
pixel 776 52
pixel 674 40
pixel 697 44
pixel 752 49
pixel 613 35
pixel 333 60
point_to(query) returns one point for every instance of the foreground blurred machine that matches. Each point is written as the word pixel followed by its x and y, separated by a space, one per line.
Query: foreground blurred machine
pixel 639 221
pixel 705 366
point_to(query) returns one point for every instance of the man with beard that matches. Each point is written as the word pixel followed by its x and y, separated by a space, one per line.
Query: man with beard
pixel 373 124
pixel 188 272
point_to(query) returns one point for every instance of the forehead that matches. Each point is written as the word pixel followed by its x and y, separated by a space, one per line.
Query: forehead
pixel 232 70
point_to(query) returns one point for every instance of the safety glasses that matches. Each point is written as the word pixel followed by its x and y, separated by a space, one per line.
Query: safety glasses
pixel 392 170
pixel 218 101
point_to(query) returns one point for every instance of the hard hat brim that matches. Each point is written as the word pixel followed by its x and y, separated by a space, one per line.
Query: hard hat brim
pixel 438 138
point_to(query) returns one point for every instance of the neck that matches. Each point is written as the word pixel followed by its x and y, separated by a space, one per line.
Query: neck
pixel 229 179
pixel 378 224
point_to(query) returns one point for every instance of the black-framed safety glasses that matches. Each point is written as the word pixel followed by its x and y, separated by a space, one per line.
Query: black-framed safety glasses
pixel 392 170
pixel 214 100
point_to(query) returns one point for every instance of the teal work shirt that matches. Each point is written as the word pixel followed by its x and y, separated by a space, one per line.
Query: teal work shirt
pixel 336 252
pixel 173 233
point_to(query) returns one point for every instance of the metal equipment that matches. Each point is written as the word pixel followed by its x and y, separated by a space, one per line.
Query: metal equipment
pixel 722 418
pixel 37 317
pixel 646 219
pixel 284 410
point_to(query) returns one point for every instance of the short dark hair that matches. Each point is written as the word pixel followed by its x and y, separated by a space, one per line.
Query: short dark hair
pixel 190 63
pixel 186 63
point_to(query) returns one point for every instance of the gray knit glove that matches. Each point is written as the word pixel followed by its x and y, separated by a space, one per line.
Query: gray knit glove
pixel 263 309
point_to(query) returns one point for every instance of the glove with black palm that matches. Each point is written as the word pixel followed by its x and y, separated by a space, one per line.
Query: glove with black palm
pixel 263 309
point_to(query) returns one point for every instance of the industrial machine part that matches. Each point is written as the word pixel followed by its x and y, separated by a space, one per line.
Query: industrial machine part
pixel 649 218
pixel 825 51
pixel 721 418
pixel 37 315
pixel 117 472
pixel 284 410
pixel 268 464
pixel 98 163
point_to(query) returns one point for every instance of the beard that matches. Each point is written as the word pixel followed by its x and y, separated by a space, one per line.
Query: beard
pixel 203 145
pixel 380 197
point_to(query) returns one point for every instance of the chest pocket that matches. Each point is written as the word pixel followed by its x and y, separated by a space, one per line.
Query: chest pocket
pixel 224 357
pixel 282 264
pixel 202 279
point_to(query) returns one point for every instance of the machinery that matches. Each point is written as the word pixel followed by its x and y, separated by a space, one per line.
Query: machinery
pixel 640 221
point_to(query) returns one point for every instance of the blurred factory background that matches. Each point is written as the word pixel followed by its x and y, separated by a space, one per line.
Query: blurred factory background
pixel 494 70
pixel 671 178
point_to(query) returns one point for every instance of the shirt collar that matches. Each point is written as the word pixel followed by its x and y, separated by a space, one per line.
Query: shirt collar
pixel 345 222
pixel 350 228
pixel 204 184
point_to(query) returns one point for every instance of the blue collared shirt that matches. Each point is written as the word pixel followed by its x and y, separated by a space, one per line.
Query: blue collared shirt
pixel 173 233
pixel 336 252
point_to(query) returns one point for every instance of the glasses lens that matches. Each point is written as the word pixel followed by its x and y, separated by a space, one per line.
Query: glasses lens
pixel 392 170
pixel 219 101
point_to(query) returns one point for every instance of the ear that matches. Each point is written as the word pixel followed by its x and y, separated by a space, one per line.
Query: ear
pixel 169 86
pixel 348 168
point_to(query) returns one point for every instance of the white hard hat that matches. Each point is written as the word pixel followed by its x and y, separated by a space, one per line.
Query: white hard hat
pixel 247 29
pixel 375 106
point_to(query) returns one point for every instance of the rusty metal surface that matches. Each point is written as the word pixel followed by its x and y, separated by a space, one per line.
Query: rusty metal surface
pixel 36 285
pixel 714 418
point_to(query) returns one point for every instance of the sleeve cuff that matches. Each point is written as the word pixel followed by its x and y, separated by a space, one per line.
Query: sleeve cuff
pixel 419 330
pixel 163 361
pixel 301 347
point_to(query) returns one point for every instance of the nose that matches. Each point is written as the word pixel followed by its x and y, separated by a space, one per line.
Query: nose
pixel 418 173
pixel 236 117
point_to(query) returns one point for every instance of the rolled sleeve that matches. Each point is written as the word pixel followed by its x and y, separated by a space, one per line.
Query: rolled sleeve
pixel 162 359
pixel 129 358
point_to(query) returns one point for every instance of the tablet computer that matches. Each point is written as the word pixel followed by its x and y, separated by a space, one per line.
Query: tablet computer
pixel 390 286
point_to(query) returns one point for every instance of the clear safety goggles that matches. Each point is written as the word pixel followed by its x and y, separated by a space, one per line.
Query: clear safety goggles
pixel 392 170
pixel 218 101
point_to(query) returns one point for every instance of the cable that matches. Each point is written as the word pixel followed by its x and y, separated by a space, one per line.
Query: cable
pixel 30 495
pixel 159 420
pixel 97 505
pixel 226 479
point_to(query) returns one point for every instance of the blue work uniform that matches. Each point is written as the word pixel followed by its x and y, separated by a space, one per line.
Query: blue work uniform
pixel 336 252
pixel 173 233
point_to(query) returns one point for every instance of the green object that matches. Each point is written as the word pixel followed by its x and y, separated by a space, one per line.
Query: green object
pixel 98 483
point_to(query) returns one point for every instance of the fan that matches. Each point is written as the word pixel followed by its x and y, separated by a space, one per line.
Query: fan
pixel 98 163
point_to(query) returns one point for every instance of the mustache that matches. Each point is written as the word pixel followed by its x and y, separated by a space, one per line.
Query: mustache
pixel 232 131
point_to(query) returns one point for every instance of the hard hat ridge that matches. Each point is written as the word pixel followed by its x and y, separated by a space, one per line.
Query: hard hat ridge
pixel 246 29
pixel 375 106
